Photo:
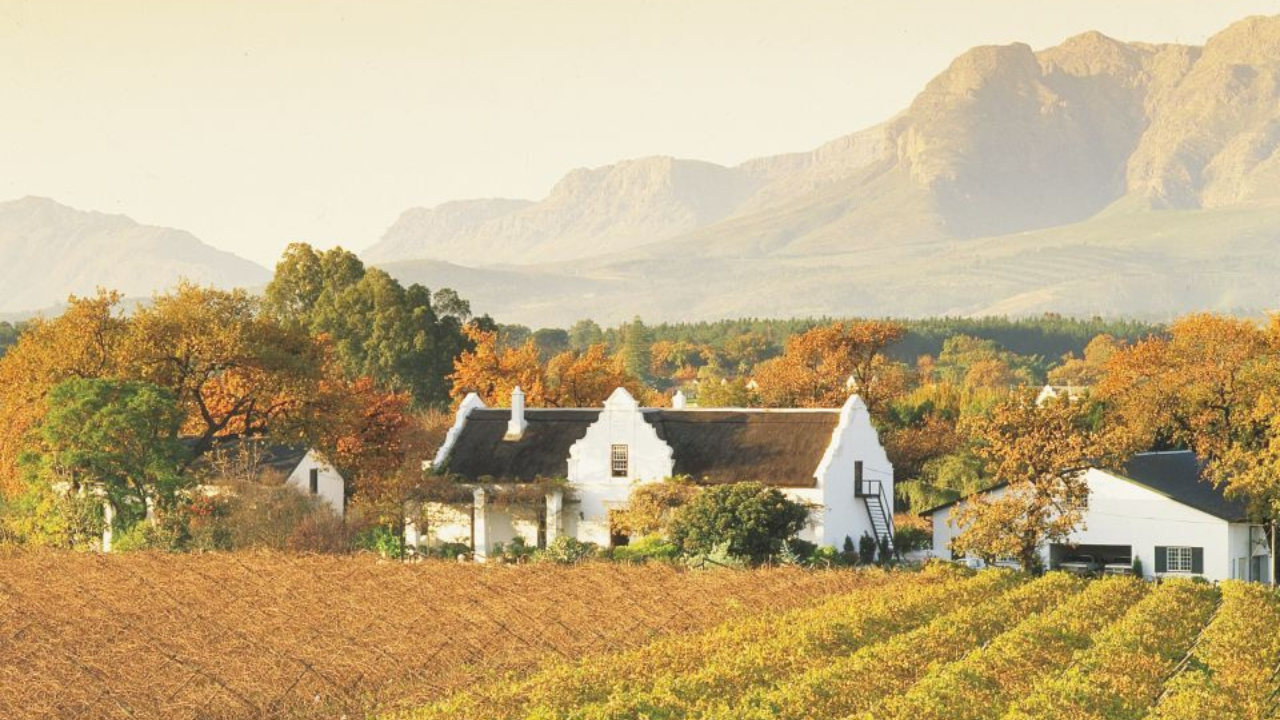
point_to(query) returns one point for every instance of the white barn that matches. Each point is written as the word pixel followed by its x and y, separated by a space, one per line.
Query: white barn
pixel 830 458
pixel 1159 510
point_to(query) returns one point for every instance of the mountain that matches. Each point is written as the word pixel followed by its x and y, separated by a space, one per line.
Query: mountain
pixel 49 251
pixel 1094 177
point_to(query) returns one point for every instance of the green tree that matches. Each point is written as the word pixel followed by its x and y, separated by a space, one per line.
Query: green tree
pixel 637 354
pixel 585 333
pixel 401 337
pixel 117 439
pixel 752 520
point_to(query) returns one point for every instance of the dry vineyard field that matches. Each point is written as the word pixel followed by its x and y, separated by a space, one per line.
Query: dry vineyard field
pixel 266 635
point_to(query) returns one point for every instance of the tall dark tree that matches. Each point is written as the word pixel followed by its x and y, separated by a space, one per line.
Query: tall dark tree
pixel 401 337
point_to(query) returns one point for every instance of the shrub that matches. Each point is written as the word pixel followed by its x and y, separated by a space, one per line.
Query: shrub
pixel 567 550
pixel 751 520
pixel 911 539
pixel 652 505
pixel 651 547
pixel 383 540
pixel 867 548
pixel 516 551
pixel 322 532
pixel 445 551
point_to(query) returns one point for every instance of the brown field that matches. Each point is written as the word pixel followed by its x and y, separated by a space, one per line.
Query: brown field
pixel 271 635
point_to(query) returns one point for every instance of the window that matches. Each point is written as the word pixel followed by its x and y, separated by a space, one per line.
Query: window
pixel 315 480
pixel 618 461
pixel 1179 560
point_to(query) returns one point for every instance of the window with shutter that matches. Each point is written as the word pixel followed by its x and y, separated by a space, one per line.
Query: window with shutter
pixel 1162 560
pixel 315 481
pixel 1183 560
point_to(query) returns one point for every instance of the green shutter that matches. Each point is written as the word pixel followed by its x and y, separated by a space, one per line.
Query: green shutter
pixel 1197 561
pixel 1162 560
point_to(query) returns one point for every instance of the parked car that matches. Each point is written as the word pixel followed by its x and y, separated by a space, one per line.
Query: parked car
pixel 1119 566
pixel 1080 565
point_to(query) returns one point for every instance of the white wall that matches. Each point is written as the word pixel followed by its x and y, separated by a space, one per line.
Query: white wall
pixel 331 488
pixel 1122 512
pixel 843 513
pixel 590 469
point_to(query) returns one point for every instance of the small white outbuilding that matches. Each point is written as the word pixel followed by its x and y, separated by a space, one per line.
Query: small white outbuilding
pixel 1157 509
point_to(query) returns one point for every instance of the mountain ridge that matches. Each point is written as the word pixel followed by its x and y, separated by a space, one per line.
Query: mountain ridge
pixel 50 251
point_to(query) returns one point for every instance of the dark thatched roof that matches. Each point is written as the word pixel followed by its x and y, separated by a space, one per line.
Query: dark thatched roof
pixel 542 452
pixel 782 449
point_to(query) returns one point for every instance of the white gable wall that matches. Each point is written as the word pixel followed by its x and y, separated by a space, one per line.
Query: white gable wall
pixel 841 513
pixel 590 468
pixel 331 488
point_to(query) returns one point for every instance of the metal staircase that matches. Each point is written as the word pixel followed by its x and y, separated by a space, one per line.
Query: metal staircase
pixel 873 496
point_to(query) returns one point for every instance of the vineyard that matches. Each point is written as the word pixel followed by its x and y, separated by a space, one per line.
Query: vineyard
pixel 277 636
pixel 939 644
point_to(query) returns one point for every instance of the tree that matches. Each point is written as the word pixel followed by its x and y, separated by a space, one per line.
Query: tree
pixel 114 438
pixel 1090 369
pixel 584 334
pixel 819 368
pixel 1039 454
pixel 1197 387
pixel 233 370
pixel 752 520
pixel 401 337
pixel 636 349
pixel 569 379
pixel 82 342
pixel 551 342
pixel 651 506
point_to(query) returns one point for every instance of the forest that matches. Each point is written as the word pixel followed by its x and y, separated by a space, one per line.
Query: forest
pixel 133 408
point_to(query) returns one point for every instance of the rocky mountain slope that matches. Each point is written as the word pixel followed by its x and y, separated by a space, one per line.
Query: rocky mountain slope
pixel 1090 177
pixel 49 251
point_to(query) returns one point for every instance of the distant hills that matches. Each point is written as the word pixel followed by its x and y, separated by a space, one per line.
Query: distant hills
pixel 49 251
pixel 1095 177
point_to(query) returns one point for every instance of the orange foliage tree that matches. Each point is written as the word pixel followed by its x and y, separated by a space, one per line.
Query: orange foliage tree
pixel 1038 453
pixel 820 367
pixel 234 371
pixel 570 379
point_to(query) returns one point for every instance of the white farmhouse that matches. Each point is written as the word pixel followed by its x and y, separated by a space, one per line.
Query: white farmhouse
pixel 829 458
pixel 1157 509
pixel 253 459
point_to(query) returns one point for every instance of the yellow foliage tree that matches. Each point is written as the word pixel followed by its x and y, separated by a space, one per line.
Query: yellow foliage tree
pixel 1039 454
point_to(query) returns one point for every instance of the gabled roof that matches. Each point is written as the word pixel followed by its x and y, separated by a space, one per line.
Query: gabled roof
pixel 541 452
pixel 779 448
pixel 782 449
pixel 277 457
pixel 1177 475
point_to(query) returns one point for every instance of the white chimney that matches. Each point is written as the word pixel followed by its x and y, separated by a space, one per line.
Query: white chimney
pixel 517 424
pixel 678 401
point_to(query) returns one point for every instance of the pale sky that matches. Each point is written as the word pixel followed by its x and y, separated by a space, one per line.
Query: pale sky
pixel 254 124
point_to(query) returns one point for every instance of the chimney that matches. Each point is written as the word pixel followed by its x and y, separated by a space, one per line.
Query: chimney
pixel 678 401
pixel 517 424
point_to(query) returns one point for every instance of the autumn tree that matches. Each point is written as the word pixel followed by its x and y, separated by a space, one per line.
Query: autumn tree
pixel 1089 369
pixel 1197 387
pixel 83 342
pixel 1038 455
pixel 233 370
pixel 819 368
pixel 569 379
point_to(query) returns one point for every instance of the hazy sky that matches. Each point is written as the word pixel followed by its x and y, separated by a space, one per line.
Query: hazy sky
pixel 253 124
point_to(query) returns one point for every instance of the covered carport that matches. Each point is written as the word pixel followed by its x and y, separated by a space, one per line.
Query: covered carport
pixel 1103 553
